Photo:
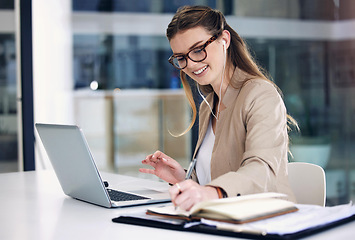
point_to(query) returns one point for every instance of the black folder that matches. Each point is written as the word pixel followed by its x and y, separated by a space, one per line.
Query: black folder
pixel 201 228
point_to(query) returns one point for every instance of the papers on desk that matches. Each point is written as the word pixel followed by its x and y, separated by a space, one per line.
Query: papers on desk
pixel 307 220
pixel 307 217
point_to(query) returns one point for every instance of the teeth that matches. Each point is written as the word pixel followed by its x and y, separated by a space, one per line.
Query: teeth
pixel 200 71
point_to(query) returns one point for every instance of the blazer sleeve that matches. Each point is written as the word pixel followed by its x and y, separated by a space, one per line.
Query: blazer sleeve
pixel 266 142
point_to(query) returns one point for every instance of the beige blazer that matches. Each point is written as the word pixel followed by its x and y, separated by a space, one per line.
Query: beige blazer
pixel 251 139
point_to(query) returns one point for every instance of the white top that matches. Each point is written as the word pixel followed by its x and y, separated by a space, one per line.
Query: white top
pixel 204 155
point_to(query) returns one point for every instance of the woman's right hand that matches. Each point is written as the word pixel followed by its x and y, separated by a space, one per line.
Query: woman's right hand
pixel 165 167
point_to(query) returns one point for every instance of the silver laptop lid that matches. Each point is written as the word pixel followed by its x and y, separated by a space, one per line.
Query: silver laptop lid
pixel 73 164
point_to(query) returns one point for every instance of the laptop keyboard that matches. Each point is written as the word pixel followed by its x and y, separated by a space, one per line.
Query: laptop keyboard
pixel 123 196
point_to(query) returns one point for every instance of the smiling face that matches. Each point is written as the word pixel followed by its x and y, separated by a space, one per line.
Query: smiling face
pixel 208 71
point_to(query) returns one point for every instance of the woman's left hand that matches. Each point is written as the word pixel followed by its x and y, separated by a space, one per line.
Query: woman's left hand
pixel 187 193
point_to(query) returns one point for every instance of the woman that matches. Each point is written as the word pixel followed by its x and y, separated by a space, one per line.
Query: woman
pixel 243 134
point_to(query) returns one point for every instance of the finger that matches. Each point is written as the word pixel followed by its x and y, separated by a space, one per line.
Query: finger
pixel 170 162
pixel 152 158
pixel 149 162
pixel 185 186
pixel 149 156
pixel 188 198
pixel 184 200
pixel 175 190
pixel 158 155
pixel 180 188
pixel 186 204
pixel 145 170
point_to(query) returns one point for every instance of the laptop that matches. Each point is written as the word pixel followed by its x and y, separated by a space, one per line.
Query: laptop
pixel 78 175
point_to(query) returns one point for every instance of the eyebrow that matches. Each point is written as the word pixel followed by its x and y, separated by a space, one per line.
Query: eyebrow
pixel 192 47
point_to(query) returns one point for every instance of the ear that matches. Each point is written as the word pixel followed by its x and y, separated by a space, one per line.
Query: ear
pixel 226 39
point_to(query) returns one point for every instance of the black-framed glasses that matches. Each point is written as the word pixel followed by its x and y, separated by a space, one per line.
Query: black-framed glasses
pixel 197 54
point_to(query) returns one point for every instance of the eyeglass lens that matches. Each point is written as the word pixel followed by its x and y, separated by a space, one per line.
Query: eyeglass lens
pixel 197 55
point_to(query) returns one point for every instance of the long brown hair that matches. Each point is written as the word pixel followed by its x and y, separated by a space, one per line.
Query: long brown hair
pixel 214 22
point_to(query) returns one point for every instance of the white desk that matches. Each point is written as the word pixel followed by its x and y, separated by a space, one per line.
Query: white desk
pixel 33 206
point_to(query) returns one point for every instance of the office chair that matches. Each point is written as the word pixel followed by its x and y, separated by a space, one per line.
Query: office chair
pixel 308 183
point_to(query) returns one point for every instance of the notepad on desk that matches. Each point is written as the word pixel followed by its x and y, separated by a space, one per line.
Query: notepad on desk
pixel 307 220
pixel 242 209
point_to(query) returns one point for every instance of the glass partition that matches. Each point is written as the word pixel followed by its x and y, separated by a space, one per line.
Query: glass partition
pixel 123 61
pixel 318 82
pixel 8 88
pixel 137 89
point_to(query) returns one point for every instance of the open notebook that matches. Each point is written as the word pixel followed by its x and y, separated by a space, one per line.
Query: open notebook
pixel 308 220
pixel 237 210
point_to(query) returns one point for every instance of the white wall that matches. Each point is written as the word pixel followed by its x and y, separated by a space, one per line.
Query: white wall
pixel 52 65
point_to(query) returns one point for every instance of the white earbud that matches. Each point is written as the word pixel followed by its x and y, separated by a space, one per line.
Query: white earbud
pixel 224 46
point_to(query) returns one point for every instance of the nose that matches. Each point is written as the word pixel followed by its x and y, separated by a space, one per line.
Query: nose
pixel 190 63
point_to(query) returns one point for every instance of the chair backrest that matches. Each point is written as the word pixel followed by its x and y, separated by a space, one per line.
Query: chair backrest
pixel 307 181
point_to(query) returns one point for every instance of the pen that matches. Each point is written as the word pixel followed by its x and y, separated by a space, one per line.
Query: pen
pixel 188 173
pixel 189 170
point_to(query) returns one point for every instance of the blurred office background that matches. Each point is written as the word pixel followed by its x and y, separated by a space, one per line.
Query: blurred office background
pixel 102 64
